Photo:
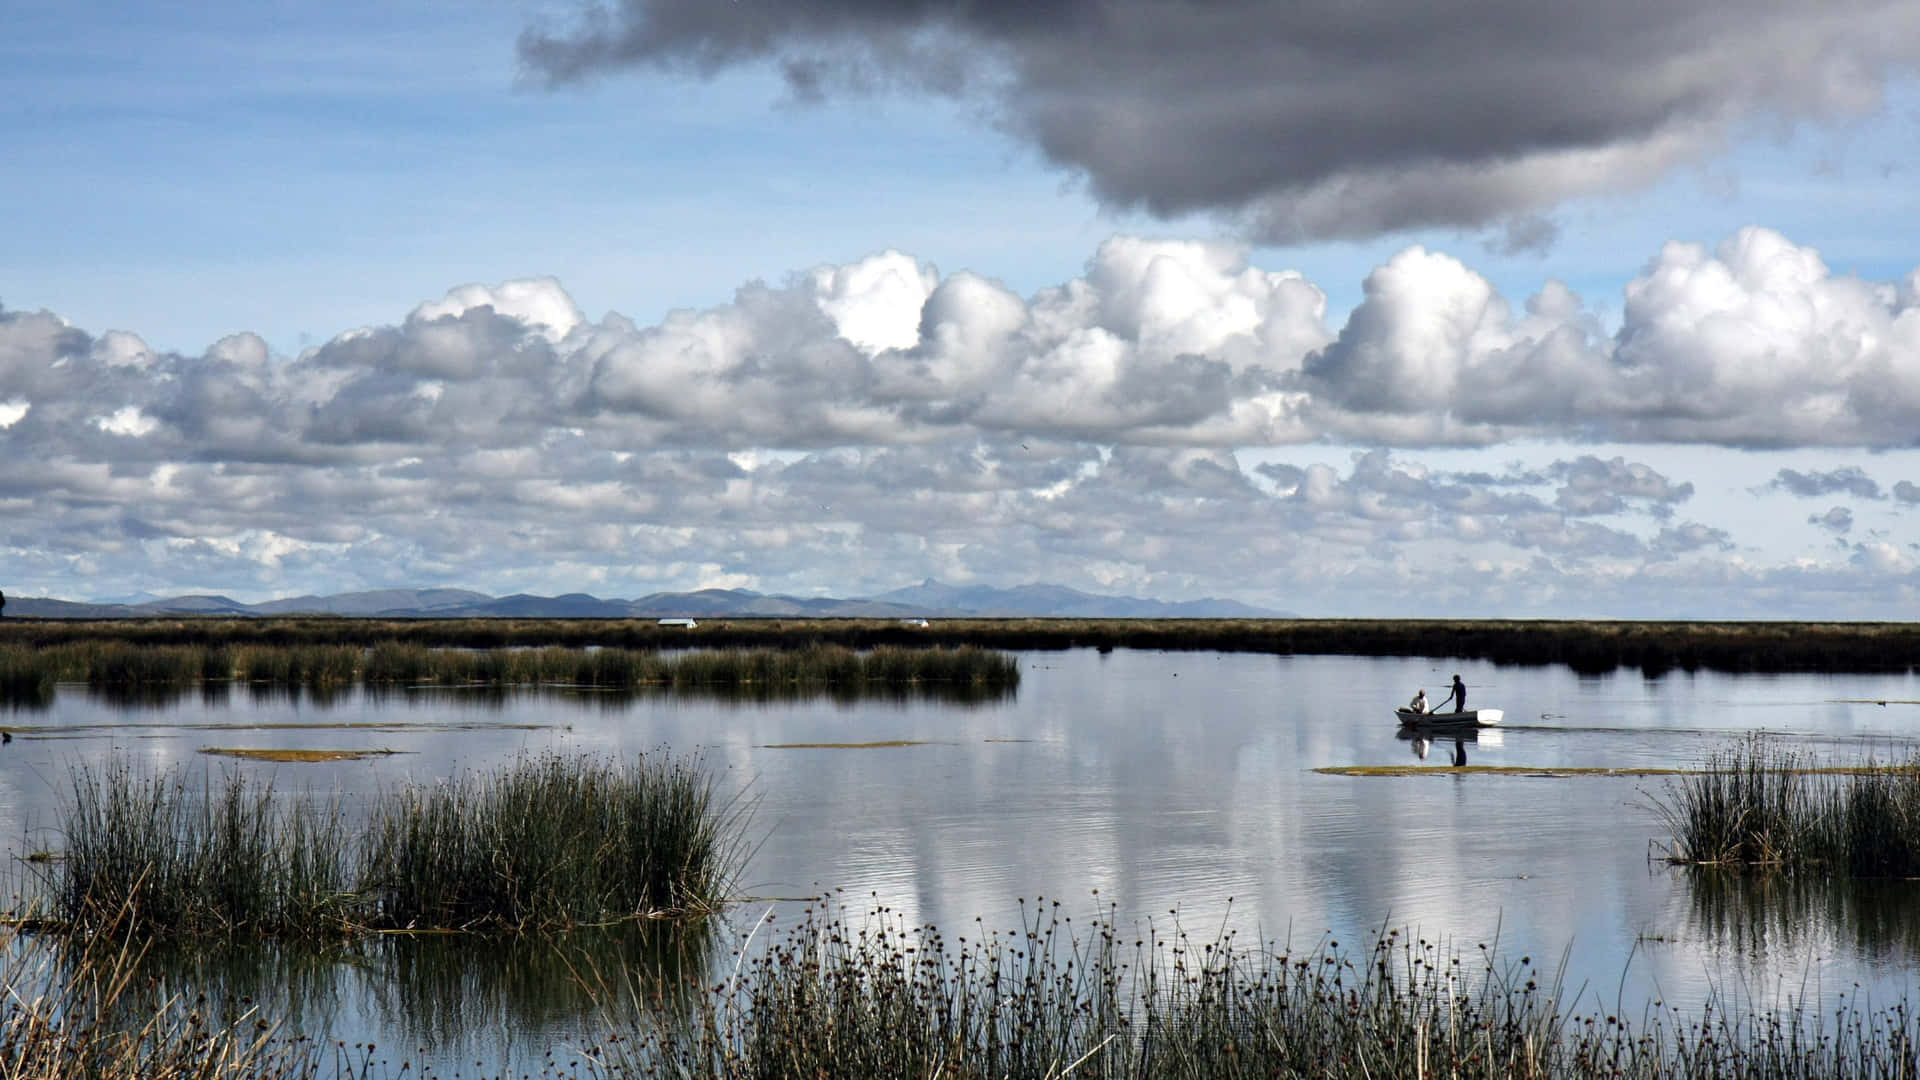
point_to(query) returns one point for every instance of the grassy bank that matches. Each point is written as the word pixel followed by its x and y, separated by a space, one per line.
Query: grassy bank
pixel 882 1000
pixel 1588 646
pixel 543 842
pixel 114 666
pixel 1757 804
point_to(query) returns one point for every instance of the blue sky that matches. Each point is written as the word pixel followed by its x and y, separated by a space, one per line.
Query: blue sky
pixel 301 172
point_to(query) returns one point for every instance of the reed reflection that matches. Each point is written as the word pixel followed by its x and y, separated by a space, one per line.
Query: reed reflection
pixel 226 981
pixel 138 697
pixel 1754 914
pixel 445 990
pixel 450 995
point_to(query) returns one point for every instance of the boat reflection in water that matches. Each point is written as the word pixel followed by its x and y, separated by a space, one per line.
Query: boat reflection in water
pixel 1421 740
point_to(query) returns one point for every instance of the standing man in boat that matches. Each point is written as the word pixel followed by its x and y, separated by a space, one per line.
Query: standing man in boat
pixel 1458 695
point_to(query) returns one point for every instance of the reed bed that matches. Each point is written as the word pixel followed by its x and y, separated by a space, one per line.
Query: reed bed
pixel 1585 645
pixel 1758 804
pixel 879 999
pixel 145 851
pixel 539 843
pixel 547 842
pixel 24 682
pixel 128 670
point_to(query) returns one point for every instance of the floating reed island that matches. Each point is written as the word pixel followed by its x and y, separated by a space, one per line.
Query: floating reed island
pixel 1761 805
pixel 1584 645
pixel 542 843
pixel 29 673
pixel 878 1000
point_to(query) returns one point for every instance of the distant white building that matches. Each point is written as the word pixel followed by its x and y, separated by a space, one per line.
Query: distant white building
pixel 684 623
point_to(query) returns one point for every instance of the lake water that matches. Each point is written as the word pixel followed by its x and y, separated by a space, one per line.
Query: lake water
pixel 1180 786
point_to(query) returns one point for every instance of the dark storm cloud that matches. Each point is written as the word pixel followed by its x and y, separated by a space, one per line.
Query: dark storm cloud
pixel 1304 120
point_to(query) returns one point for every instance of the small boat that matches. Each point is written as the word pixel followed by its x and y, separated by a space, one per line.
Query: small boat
pixel 1478 718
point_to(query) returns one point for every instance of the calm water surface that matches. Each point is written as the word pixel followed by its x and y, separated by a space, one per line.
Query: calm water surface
pixel 1180 786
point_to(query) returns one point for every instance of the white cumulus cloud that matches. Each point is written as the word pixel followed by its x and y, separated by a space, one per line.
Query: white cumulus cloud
pixel 883 420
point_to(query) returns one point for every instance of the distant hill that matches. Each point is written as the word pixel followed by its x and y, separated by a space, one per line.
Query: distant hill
pixel 929 599
pixel 377 602
pixel 1058 601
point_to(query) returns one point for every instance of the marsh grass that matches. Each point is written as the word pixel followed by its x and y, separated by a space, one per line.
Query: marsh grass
pixel 876 998
pixel 540 843
pixel 1759 804
pixel 146 851
pixel 1584 645
pixel 25 683
pixel 550 842
pixel 142 672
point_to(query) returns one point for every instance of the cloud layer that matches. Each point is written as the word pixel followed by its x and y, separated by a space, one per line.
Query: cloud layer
pixel 1306 120
pixel 1155 425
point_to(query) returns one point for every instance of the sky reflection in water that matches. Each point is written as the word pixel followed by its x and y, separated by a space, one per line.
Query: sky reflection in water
pixel 1169 782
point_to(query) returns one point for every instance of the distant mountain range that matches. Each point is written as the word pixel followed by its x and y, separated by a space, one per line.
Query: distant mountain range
pixel 929 599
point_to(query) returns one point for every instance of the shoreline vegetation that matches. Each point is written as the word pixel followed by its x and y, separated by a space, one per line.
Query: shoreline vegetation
pixel 874 998
pixel 542 843
pixel 31 672
pixel 151 861
pixel 1595 646
pixel 1760 805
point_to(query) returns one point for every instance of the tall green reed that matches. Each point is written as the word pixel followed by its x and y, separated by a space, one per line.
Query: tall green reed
pixel 138 670
pixel 551 841
pixel 540 842
pixel 147 850
pixel 1760 804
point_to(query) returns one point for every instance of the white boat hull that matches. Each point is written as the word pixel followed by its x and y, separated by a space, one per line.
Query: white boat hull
pixel 1469 718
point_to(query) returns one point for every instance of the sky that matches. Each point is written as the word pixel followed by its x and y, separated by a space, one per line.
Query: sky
pixel 1496 309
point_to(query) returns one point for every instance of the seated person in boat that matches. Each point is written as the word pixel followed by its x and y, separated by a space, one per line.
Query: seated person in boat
pixel 1458 695
pixel 1419 702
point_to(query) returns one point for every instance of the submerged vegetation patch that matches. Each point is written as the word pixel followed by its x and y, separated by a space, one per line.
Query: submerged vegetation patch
pixel 296 756
pixel 878 745
pixel 543 842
